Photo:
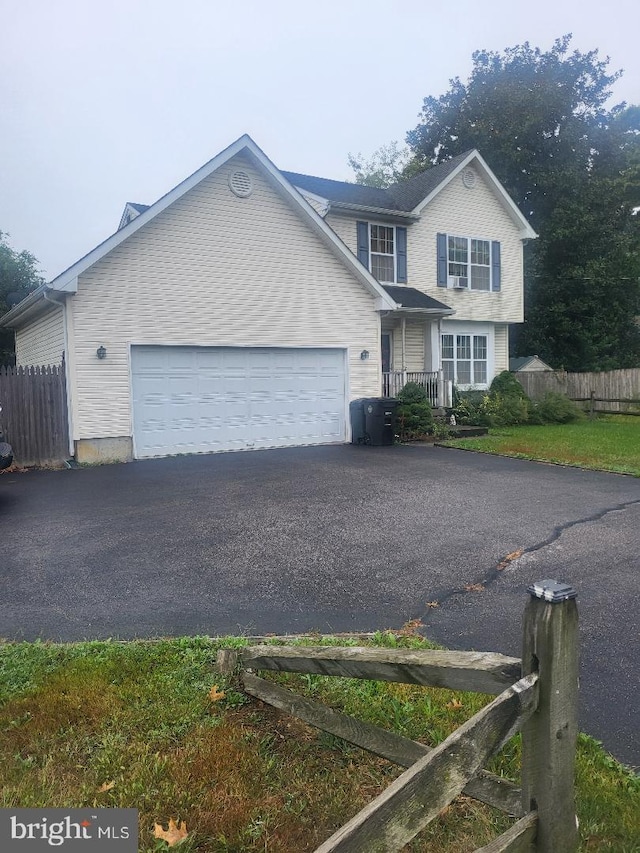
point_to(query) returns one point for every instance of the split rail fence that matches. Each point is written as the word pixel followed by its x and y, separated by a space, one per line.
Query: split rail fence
pixel 609 391
pixel 536 695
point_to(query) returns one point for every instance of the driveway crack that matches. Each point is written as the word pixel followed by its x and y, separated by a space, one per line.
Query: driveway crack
pixel 492 576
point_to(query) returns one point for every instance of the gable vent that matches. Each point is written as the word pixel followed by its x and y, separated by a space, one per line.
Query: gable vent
pixel 469 178
pixel 240 183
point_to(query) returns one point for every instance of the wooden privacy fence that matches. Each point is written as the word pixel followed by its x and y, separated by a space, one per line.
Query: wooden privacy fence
pixel 34 413
pixel 613 390
pixel 537 695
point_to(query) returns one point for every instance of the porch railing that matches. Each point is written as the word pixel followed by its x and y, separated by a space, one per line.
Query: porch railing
pixel 437 388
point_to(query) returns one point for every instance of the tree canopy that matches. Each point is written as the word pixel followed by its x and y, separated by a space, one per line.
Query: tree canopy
pixel 540 119
pixel 384 167
pixel 19 275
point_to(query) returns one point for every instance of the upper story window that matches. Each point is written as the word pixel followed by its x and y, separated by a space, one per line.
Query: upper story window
pixel 383 250
pixel 468 263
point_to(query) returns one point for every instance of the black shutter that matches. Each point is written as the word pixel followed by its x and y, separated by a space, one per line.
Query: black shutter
pixel 401 255
pixel 363 243
pixel 443 260
pixel 495 265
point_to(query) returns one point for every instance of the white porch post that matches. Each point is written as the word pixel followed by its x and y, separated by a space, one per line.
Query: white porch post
pixel 404 351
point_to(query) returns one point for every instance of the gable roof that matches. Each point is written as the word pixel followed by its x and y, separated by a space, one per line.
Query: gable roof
pixel 408 198
pixel 343 191
pixel 402 197
pixel 67 280
pixel 524 361
pixel 131 210
pixel 410 193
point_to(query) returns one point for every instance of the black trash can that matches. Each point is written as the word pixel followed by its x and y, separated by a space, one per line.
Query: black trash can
pixel 373 421
pixel 356 414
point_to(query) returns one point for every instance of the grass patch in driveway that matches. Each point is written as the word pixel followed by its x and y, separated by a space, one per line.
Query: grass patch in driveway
pixel 609 443
pixel 132 725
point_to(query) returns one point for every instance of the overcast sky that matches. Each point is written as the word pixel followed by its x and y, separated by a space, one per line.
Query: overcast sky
pixel 109 101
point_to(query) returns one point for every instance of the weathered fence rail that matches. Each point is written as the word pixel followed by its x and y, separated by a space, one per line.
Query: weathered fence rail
pixel 537 696
pixel 34 413
pixel 618 391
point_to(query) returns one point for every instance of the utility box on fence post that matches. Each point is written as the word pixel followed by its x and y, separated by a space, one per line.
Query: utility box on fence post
pixel 550 648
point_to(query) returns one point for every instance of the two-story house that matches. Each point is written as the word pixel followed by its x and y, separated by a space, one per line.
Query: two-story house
pixel 248 306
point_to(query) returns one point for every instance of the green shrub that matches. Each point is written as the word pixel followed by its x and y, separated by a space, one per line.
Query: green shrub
pixel 555 408
pixel 414 418
pixel 413 392
pixel 468 407
pixel 506 409
pixel 506 385
pixel 478 408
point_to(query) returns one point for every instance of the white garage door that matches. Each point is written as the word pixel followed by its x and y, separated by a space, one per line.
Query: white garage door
pixel 206 399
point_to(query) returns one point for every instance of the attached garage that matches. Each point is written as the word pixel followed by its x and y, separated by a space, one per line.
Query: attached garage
pixel 192 399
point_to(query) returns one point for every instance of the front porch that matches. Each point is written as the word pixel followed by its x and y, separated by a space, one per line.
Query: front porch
pixel 439 390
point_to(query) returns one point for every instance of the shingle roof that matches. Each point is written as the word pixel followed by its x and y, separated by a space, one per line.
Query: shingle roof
pixel 408 194
pixel 342 191
pixel 409 297
pixel 516 364
pixel 403 196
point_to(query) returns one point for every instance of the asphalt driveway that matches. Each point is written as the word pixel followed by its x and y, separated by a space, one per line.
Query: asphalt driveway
pixel 333 539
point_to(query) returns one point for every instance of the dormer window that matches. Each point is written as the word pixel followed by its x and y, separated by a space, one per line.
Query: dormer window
pixel 383 251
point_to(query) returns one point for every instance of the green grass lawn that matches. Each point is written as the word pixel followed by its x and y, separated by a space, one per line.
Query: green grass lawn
pixel 134 725
pixel 609 443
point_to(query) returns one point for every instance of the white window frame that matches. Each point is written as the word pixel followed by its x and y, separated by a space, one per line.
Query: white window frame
pixel 394 256
pixel 470 330
pixel 455 281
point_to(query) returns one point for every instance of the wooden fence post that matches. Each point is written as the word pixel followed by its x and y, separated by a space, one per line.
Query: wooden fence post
pixel 227 661
pixel 550 647
pixel 592 405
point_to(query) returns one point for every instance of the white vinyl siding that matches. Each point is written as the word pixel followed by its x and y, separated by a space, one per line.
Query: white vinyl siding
pixel 215 270
pixel 346 228
pixel 501 348
pixel 414 345
pixel 477 213
pixel 42 341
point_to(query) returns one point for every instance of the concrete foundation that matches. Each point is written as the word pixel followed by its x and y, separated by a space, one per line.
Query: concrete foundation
pixel 96 451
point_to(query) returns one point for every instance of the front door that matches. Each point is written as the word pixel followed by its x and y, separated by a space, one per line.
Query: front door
pixel 385 342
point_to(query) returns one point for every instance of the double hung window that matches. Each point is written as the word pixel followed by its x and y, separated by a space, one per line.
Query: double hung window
pixel 464 359
pixel 469 262
pixel 383 251
pixel 383 254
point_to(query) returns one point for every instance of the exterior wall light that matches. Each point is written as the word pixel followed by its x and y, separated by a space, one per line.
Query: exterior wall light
pixel 364 355
pixel 101 352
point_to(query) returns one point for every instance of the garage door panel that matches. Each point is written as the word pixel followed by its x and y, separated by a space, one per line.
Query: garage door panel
pixel 207 399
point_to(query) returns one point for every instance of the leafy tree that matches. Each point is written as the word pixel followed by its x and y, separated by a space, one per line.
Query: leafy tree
pixel 537 117
pixel 383 168
pixel 19 275
pixel 573 167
